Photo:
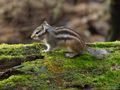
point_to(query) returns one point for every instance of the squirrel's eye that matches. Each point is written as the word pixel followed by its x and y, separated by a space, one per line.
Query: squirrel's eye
pixel 37 32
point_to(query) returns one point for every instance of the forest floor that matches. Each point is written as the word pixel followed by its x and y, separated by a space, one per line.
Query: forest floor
pixel 25 67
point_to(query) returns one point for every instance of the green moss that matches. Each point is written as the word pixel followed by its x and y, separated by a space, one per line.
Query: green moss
pixel 105 44
pixel 19 49
pixel 23 81
pixel 12 81
pixel 56 72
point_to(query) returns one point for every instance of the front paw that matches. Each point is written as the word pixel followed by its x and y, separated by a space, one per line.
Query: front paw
pixel 45 51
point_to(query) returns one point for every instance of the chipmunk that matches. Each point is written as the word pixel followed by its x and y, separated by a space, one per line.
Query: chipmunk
pixel 61 37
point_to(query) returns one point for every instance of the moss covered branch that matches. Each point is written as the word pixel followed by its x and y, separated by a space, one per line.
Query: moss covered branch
pixel 27 68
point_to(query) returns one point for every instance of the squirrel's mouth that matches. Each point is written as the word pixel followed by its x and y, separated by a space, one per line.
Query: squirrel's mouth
pixel 35 38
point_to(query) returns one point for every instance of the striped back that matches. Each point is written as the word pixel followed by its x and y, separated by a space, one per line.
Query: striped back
pixel 68 34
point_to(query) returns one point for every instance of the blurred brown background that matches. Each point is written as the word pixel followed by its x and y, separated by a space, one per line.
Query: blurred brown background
pixel 18 18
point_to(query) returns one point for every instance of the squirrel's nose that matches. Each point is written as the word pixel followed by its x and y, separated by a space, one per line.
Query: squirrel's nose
pixel 32 36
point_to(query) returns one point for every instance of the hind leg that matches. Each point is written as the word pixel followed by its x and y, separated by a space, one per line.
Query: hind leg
pixel 71 54
pixel 73 49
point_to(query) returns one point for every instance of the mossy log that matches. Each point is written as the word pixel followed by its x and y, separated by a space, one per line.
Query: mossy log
pixel 25 67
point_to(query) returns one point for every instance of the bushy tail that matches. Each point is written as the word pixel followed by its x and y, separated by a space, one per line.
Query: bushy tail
pixel 98 53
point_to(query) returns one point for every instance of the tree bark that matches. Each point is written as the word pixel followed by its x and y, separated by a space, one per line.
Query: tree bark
pixel 114 33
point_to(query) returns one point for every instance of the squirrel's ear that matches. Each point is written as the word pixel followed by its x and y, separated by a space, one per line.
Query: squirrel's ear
pixel 47 27
pixel 45 23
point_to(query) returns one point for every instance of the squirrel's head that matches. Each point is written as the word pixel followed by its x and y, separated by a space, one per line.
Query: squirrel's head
pixel 40 31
